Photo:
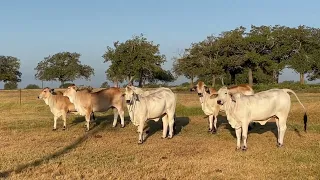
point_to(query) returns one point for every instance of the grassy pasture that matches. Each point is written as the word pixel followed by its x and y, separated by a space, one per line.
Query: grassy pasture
pixel 29 149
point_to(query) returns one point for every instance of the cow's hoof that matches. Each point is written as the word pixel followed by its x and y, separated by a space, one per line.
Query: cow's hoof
pixel 209 130
pixel 244 148
pixel 140 142
pixel 122 126
pixel 114 125
pixel 214 131
pixel 54 129
pixel 279 145
pixel 170 137
pixel 64 128
pixel 238 148
pixel 163 137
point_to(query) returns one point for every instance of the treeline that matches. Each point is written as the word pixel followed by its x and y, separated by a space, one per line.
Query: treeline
pixel 255 56
pixel 236 56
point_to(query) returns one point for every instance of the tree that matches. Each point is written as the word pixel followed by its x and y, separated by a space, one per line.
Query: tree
pixel 305 46
pixel 137 58
pixel 257 45
pixel 9 69
pixel 104 85
pixel 188 66
pixel 162 75
pixel 232 50
pixel 32 86
pixel 63 67
pixel 9 85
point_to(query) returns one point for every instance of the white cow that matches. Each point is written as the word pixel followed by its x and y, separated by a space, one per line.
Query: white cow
pixel 209 104
pixel 141 92
pixel 260 107
pixel 156 105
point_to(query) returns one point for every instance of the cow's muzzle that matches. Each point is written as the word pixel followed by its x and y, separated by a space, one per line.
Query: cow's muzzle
pixel 219 102
pixel 128 101
pixel 200 94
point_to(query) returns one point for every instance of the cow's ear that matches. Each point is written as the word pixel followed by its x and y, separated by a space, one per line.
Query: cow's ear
pixel 212 96
pixel 51 90
pixel 232 97
pixel 207 89
pixel 193 88
pixel 136 96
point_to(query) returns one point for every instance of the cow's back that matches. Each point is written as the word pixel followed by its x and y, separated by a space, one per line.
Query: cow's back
pixel 60 103
pixel 158 102
pixel 106 98
pixel 245 89
pixel 265 103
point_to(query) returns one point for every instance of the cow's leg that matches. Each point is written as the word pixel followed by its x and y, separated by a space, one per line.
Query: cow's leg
pixel 214 130
pixel 115 117
pixel 121 113
pixel 88 115
pixel 171 126
pixel 210 123
pixel 64 117
pixel 238 134
pixel 55 123
pixel 165 123
pixel 140 130
pixel 278 128
pixel 282 128
pixel 244 135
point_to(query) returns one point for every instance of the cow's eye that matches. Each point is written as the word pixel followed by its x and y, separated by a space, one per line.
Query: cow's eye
pixel 225 93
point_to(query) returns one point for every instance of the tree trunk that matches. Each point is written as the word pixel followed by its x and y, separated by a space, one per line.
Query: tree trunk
pixel 233 78
pixel 250 77
pixel 62 83
pixel 275 76
pixel 301 78
pixel 213 80
pixel 191 83
pixel 42 84
pixel 116 83
pixel 140 79
pixel 222 81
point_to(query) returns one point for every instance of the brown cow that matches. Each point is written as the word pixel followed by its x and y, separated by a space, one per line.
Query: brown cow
pixel 86 103
pixel 59 105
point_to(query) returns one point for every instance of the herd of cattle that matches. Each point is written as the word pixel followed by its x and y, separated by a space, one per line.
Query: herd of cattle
pixel 241 105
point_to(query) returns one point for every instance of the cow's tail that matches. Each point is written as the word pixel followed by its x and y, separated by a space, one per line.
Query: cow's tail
pixel 305 117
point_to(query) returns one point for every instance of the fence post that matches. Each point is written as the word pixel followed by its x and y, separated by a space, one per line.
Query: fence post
pixel 20 96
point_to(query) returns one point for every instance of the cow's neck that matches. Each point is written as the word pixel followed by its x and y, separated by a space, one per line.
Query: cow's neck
pixel 46 100
pixel 205 97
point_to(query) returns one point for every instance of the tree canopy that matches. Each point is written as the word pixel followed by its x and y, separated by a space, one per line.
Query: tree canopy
pixel 261 53
pixel 134 59
pixel 9 69
pixel 63 67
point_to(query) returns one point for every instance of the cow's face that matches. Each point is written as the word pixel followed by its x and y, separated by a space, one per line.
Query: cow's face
pixel 130 96
pixel 200 88
pixel 221 95
pixel 71 90
pixel 45 93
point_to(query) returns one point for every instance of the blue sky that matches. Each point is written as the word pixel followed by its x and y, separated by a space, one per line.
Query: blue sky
pixel 31 30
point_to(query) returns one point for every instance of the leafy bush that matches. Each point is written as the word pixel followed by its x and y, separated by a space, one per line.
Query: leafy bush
pixel 32 86
pixel 11 85
pixel 66 85
pixel 104 85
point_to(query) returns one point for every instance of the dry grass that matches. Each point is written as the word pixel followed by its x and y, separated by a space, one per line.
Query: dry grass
pixel 30 150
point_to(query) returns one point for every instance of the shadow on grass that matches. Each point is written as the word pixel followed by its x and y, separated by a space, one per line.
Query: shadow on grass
pixel 257 128
pixel 98 118
pixel 180 123
pixel 99 126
